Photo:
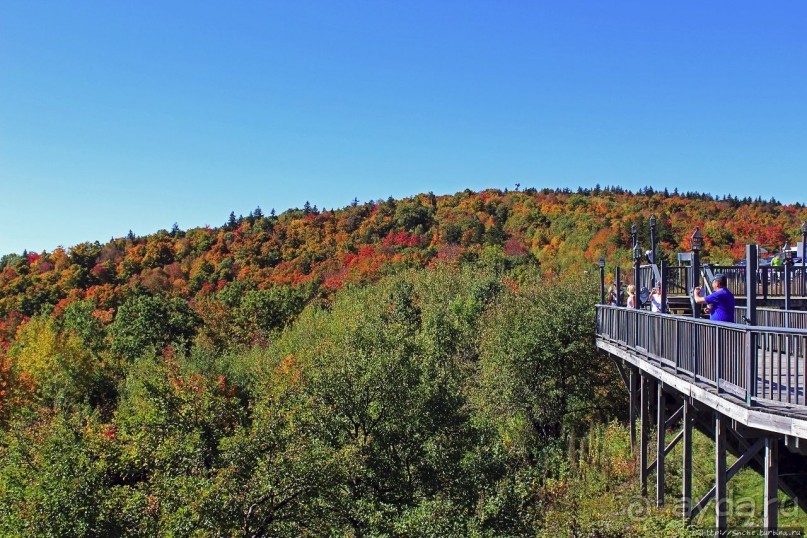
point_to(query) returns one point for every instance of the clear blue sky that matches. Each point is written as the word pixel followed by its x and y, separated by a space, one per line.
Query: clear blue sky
pixel 136 115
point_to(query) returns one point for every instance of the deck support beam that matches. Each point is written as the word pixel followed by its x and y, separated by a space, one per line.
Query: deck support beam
pixel 771 499
pixel 667 449
pixel 633 405
pixel 686 480
pixel 671 420
pixel 644 427
pixel 661 452
pixel 720 471
pixel 747 456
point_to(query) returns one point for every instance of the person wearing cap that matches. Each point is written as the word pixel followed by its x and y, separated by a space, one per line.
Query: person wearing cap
pixel 720 302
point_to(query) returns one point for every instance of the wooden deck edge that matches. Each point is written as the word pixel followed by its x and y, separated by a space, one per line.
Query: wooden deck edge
pixel 751 417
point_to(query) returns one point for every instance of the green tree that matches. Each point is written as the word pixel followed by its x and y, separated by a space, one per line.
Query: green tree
pixel 147 324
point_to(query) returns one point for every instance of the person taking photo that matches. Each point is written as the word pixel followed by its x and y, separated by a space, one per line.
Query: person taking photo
pixel 720 302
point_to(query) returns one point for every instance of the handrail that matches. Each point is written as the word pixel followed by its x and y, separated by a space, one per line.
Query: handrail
pixel 749 362
pixel 770 279
pixel 775 317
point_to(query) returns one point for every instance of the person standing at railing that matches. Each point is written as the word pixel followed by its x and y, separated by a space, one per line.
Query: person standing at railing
pixel 631 296
pixel 613 295
pixel 655 300
pixel 720 302
pixel 777 264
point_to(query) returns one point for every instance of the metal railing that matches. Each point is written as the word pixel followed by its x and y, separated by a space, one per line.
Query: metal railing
pixel 678 279
pixel 771 281
pixel 774 317
pixel 646 277
pixel 748 362
pixel 735 277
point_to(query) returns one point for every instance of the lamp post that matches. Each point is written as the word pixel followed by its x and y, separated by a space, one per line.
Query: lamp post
pixel 634 234
pixel 787 254
pixel 803 259
pixel 696 244
pixel 652 249
pixel 637 260
pixel 602 280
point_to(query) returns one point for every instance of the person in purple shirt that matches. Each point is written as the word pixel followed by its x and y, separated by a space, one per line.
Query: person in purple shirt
pixel 720 302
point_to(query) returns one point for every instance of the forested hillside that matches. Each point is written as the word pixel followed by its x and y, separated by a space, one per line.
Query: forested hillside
pixel 315 251
pixel 393 368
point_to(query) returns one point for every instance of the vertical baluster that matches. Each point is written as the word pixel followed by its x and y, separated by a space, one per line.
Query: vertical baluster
pixel 803 384
pixel 788 350
pixel 779 367
pixel 717 354
pixel 764 360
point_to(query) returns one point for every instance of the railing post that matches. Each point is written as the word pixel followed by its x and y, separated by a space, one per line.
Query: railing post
pixel 695 278
pixel 602 281
pixel 663 287
pixel 765 277
pixel 788 273
pixel 804 259
pixel 751 319
pixel 653 260
pixel 637 277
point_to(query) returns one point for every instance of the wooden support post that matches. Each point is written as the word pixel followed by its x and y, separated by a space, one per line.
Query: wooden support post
pixel 686 490
pixel 660 446
pixel 720 472
pixel 771 509
pixel 751 453
pixel 633 405
pixel 644 386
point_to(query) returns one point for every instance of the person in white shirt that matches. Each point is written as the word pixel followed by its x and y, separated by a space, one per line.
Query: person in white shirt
pixel 655 300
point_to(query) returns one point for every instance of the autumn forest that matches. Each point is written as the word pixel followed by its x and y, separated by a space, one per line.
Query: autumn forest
pixel 413 367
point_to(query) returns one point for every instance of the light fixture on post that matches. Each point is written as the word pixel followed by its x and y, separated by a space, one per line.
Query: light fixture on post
pixel 696 240
pixel 787 254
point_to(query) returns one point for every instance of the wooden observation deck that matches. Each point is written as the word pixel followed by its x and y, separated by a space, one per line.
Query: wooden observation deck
pixel 743 384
